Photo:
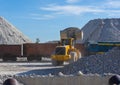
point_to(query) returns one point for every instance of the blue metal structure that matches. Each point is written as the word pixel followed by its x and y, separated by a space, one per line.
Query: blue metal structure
pixel 101 47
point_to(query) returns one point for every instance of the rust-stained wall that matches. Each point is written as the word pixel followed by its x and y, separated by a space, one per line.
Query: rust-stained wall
pixel 44 49
pixel 10 49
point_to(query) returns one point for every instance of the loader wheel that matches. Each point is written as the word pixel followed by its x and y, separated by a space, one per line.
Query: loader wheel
pixel 57 63
pixel 73 57
pixel 54 63
pixel 60 63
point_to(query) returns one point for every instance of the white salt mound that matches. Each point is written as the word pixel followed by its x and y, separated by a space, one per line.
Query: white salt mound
pixel 10 35
pixel 102 30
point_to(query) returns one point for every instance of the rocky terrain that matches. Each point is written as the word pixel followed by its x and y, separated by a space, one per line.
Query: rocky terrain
pixel 10 34
pixel 96 64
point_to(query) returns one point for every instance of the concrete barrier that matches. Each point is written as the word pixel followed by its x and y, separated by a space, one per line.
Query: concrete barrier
pixel 64 80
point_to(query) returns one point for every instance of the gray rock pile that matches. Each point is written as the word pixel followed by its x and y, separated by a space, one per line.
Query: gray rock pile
pixel 102 30
pixel 10 35
pixel 96 64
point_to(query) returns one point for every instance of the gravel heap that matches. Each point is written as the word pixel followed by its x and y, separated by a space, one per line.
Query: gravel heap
pixel 102 30
pixel 10 35
pixel 100 64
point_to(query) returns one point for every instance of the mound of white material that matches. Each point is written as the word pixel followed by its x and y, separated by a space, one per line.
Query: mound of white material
pixel 102 30
pixel 10 35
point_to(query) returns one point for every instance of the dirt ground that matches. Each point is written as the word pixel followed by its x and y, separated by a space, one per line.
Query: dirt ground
pixel 23 67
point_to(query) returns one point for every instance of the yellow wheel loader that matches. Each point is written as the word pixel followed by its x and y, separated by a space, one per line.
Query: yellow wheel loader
pixel 65 51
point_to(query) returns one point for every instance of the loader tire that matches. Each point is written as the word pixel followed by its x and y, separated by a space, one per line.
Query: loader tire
pixel 57 63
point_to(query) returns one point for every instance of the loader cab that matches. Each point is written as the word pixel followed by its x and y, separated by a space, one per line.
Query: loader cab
pixel 61 53
pixel 60 50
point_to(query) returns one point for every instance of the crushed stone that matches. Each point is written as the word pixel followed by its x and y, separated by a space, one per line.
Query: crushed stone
pixel 108 62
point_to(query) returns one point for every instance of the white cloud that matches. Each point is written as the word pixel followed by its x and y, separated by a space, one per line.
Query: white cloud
pixel 41 17
pixel 71 9
pixel 72 1
pixel 113 3
pixel 113 13
pixel 112 8
pixel 109 8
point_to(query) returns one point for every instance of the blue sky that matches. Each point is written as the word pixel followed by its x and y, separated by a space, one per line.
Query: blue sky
pixel 44 19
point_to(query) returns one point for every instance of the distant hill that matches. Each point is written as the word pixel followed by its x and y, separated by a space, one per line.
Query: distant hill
pixel 102 30
pixel 10 34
